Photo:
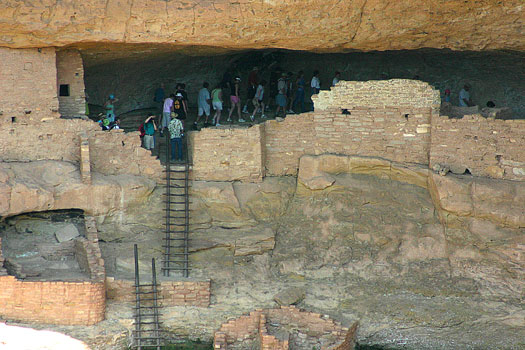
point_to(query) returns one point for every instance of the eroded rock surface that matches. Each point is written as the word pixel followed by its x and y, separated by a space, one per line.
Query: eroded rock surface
pixel 300 25
pixel 52 185
pixel 369 247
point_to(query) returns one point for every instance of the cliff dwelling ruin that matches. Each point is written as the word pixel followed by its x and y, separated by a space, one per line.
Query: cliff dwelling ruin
pixel 383 214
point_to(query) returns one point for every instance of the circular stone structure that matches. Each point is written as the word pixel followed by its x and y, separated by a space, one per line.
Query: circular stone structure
pixel 284 328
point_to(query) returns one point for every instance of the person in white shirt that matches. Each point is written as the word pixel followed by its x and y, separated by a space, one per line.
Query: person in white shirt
pixel 336 78
pixel 315 83
pixel 464 97
pixel 203 103
pixel 258 101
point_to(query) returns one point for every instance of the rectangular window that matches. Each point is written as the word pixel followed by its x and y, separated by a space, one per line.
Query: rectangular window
pixel 64 90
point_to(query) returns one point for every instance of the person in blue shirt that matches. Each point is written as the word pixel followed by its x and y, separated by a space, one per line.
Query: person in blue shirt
pixel 149 131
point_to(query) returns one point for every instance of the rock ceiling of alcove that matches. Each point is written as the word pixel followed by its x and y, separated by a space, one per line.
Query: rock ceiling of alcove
pixel 313 25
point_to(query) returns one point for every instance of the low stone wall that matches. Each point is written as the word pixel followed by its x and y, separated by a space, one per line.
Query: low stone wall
pixel 68 303
pixel 115 152
pixel 486 147
pixel 173 293
pixel 56 302
pixel 111 152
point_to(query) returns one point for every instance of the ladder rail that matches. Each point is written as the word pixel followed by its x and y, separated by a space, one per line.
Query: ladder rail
pixel 178 217
pixel 147 333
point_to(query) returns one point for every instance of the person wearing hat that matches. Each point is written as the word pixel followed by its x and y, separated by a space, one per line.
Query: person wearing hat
pixel 110 108
pixel 179 106
pixel 176 129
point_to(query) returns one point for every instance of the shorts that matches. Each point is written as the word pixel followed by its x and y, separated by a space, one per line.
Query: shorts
pixel 217 106
pixel 166 118
pixel 280 100
pixel 149 142
pixel 204 110
pixel 235 99
pixel 251 92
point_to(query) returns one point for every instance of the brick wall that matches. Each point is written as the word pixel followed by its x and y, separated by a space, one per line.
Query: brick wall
pixel 69 303
pixel 225 154
pixel 56 302
pixel 70 71
pixel 487 147
pixel 173 293
pixel 28 84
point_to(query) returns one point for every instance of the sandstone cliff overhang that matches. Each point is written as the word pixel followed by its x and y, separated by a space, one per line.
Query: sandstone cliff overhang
pixel 328 25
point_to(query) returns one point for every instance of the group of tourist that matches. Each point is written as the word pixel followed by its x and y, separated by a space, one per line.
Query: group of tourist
pixel 290 95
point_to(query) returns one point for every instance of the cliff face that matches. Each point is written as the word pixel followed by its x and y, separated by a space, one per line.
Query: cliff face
pixel 319 25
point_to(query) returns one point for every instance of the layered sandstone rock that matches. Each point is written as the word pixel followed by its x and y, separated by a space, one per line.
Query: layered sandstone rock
pixel 53 185
pixel 332 25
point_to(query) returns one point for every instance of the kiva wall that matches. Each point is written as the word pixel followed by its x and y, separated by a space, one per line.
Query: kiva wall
pixel 70 72
pixel 57 302
pixel 28 84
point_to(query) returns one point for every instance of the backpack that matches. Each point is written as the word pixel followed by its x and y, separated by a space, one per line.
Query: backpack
pixel 142 131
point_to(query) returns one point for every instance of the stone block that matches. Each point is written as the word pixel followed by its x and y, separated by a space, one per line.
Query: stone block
pixel 66 233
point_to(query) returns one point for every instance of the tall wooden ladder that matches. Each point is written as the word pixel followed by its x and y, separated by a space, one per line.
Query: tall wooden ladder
pixel 147 333
pixel 177 215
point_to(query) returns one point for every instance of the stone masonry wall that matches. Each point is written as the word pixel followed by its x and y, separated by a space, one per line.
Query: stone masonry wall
pixel 56 302
pixel 28 84
pixel 111 152
pixel 70 71
pixel 396 119
pixel 68 303
pixel 225 154
pixel 394 93
pixel 287 141
pixel 173 293
pixel 252 329
pixel 486 147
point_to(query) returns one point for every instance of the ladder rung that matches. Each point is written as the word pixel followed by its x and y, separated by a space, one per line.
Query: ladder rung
pixel 146 285
pixel 150 299
pixel 146 315
pixel 176 268
pixel 177 202
pixel 176 239
pixel 147 307
pixel 142 292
